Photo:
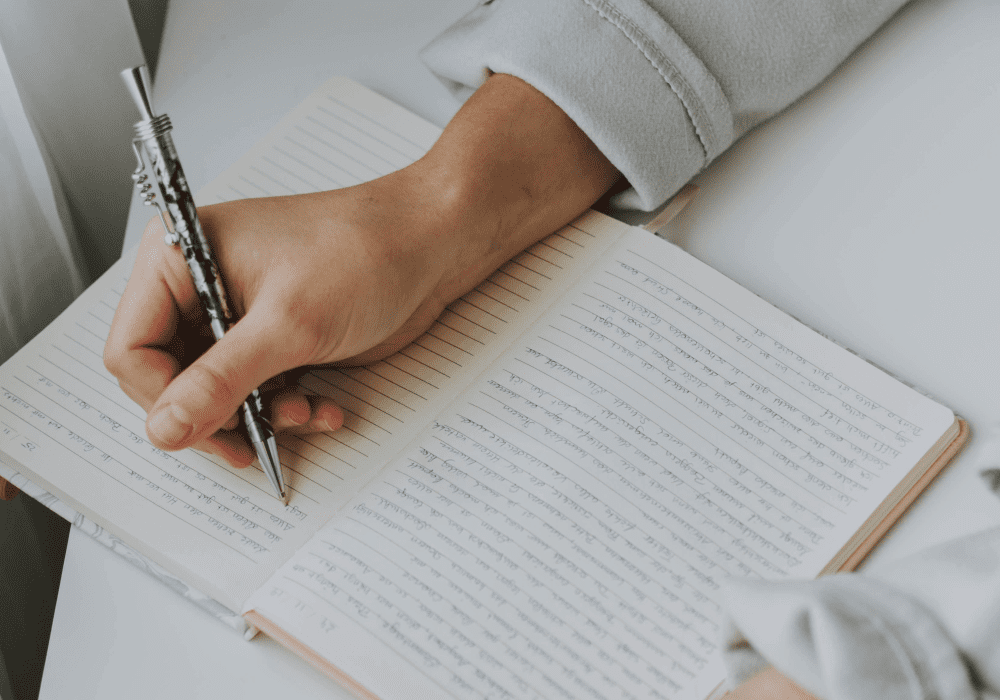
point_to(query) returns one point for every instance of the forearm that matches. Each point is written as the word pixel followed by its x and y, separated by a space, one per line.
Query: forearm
pixel 509 169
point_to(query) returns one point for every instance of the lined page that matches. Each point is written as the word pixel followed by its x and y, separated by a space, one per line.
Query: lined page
pixel 562 529
pixel 341 135
pixel 69 427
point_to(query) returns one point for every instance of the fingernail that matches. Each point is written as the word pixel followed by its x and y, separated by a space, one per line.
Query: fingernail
pixel 332 420
pixel 295 417
pixel 168 427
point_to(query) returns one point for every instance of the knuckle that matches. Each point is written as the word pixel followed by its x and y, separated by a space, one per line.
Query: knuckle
pixel 114 358
pixel 154 228
pixel 305 344
pixel 216 391
pixel 300 331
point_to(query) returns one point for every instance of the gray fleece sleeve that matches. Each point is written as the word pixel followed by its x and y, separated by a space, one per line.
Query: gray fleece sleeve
pixel 925 627
pixel 661 87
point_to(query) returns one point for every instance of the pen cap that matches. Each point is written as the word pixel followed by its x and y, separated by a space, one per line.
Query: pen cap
pixel 138 83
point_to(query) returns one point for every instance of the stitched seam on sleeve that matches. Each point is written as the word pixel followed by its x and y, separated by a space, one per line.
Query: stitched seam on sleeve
pixel 905 651
pixel 658 60
pixel 919 683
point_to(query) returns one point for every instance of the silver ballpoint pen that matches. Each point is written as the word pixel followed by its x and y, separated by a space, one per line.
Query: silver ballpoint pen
pixel 152 134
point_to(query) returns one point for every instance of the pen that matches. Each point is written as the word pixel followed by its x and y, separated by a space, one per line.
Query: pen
pixel 152 134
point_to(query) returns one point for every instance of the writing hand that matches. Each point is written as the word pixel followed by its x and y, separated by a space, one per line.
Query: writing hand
pixel 769 684
pixel 348 275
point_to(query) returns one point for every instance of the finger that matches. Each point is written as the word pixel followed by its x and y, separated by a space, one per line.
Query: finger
pixel 225 443
pixel 159 284
pixel 206 394
pixel 142 350
pixel 298 413
pixel 289 409
pixel 325 416
pixel 230 446
pixel 145 372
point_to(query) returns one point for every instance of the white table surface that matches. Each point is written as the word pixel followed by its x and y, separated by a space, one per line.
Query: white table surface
pixel 868 210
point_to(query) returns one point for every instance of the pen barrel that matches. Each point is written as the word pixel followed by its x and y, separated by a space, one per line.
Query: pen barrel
pixel 179 203
pixel 259 428
pixel 153 133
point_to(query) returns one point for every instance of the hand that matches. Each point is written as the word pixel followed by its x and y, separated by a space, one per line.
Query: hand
pixel 348 275
pixel 313 279
pixel 769 684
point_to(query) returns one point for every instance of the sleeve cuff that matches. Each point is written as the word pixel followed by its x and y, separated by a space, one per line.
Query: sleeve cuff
pixel 842 637
pixel 617 69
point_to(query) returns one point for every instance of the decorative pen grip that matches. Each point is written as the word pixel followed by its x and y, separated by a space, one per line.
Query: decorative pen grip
pixel 189 235
pixel 258 426
pixel 179 202
pixel 152 135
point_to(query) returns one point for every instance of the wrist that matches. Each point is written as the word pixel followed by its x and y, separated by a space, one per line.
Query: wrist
pixel 509 169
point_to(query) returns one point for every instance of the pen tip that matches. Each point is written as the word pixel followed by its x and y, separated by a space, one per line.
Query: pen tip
pixel 267 453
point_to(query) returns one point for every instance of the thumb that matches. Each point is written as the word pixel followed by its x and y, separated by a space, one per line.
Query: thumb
pixel 200 400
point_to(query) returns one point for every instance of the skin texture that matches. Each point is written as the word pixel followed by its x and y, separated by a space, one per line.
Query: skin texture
pixel 769 684
pixel 345 276
pixel 350 276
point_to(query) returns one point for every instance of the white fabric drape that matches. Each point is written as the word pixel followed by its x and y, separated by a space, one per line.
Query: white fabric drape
pixel 40 270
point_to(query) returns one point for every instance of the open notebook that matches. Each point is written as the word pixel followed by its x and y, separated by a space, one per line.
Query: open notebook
pixel 538 497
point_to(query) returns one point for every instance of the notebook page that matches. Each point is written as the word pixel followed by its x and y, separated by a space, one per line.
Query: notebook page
pixel 344 134
pixel 64 420
pixel 563 528
pixel 68 426
pixel 340 135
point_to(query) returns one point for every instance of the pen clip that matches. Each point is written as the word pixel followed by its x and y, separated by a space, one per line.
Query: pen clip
pixel 141 179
